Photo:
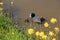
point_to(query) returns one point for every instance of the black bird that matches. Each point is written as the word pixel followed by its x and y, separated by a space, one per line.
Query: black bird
pixel 37 19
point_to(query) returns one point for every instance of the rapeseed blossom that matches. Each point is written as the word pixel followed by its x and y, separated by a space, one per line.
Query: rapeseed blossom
pixel 37 33
pixel 53 38
pixel 1 8
pixel 56 29
pixel 53 20
pixel 46 24
pixel 1 3
pixel 51 33
pixel 30 31
pixel 41 34
pixel 44 36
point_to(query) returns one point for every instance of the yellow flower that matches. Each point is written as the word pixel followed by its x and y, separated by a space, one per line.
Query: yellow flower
pixel 44 36
pixel 41 34
pixel 54 39
pixel 12 33
pixel 1 8
pixel 56 29
pixel 53 20
pixel 46 24
pixel 37 33
pixel 51 33
pixel 1 3
pixel 30 31
pixel 12 2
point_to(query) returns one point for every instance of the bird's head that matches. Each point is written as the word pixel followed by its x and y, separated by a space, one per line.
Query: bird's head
pixel 32 15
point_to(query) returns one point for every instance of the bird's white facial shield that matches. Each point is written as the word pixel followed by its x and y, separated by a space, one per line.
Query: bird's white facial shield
pixel 30 15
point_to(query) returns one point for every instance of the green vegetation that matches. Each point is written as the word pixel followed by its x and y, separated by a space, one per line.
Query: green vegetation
pixel 9 31
pixel 7 28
